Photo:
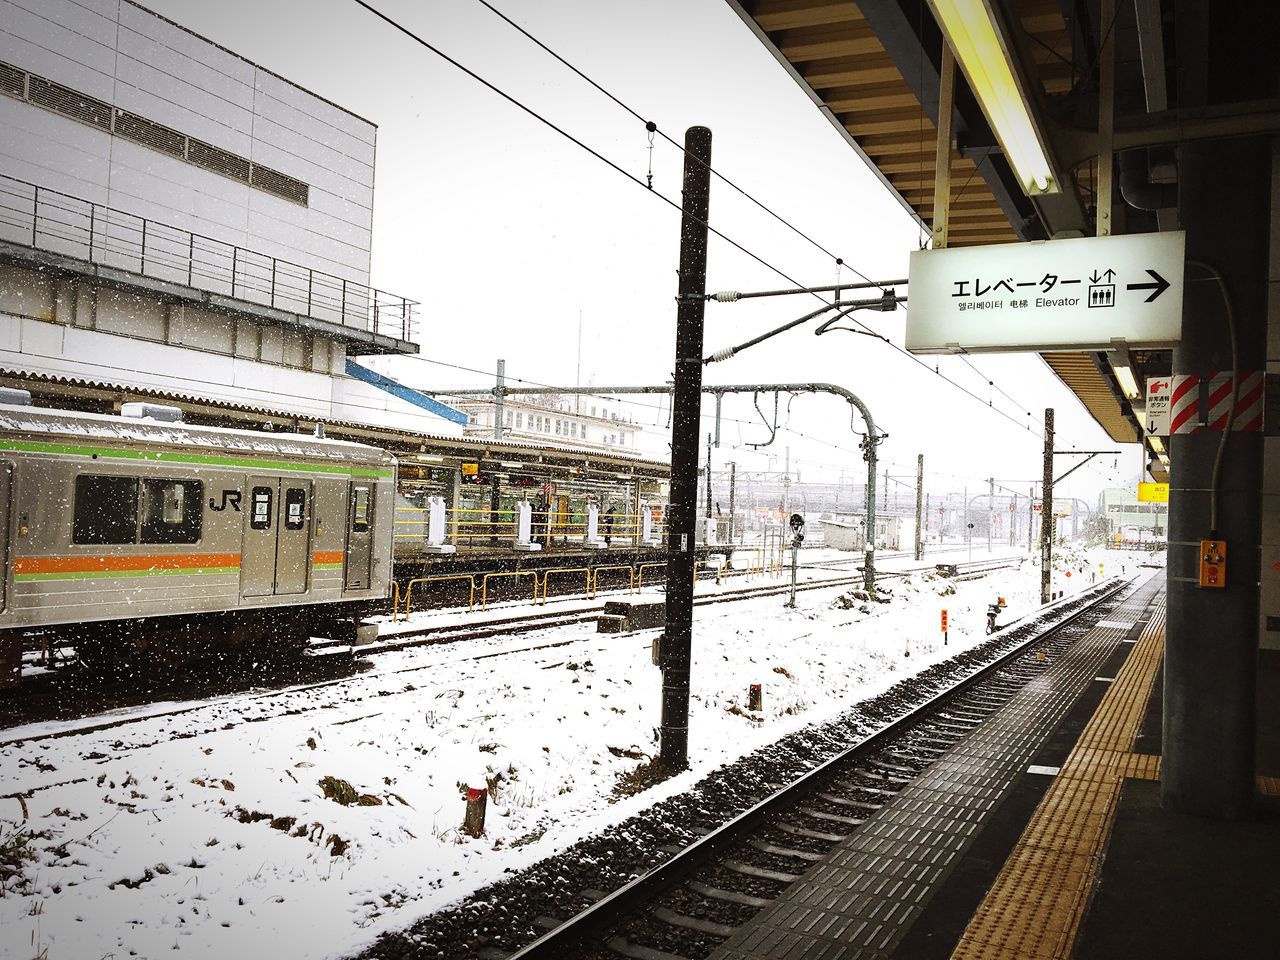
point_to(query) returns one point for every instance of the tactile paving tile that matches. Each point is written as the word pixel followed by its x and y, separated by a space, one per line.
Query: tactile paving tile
pixel 1034 908
pixel 861 899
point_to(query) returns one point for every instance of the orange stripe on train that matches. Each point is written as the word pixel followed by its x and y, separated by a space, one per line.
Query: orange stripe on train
pixel 165 561
pixel 328 556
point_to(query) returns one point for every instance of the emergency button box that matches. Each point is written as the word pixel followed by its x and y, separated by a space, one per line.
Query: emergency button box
pixel 1213 563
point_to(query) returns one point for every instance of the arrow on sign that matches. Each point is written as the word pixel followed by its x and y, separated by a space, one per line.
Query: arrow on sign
pixel 1151 427
pixel 1157 288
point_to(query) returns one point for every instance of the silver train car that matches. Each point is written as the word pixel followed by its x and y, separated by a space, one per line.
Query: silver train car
pixel 136 538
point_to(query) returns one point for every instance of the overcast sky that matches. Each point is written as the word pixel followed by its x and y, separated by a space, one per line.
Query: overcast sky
pixel 507 232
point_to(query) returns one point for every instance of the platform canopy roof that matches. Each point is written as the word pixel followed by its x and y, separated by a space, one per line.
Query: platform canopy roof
pixel 873 68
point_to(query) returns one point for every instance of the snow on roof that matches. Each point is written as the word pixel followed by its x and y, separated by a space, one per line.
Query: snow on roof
pixel 96 426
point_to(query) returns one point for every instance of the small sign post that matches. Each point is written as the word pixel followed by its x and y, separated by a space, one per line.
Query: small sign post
pixel 1159 405
pixel 944 628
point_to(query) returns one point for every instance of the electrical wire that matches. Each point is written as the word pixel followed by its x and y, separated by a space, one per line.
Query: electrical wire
pixel 679 146
pixel 533 113
pixel 574 140
pixel 1235 394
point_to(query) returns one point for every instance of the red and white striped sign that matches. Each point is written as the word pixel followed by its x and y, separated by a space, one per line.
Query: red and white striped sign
pixel 1184 405
pixel 1249 401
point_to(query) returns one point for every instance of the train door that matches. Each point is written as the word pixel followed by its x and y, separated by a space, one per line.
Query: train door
pixel 258 552
pixel 359 560
pixel 6 483
pixel 293 536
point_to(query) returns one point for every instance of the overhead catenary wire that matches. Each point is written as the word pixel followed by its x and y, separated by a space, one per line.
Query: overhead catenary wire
pixel 392 22
pixel 652 127
pixel 571 138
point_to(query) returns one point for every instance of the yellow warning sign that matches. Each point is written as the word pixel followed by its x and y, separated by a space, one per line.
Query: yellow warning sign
pixel 470 469
pixel 1153 493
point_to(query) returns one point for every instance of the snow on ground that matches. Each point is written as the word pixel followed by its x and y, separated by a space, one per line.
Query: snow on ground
pixel 207 833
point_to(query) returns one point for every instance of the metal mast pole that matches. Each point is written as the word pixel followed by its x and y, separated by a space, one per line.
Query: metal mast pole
pixel 991 510
pixel 919 505
pixel 1047 523
pixel 733 498
pixel 497 400
pixel 708 475
pixel 677 641
pixel 786 487
pixel 1031 519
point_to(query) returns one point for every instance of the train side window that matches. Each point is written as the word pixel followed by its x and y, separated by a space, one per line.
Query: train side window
pixel 260 508
pixel 106 510
pixel 361 502
pixel 171 510
pixel 295 508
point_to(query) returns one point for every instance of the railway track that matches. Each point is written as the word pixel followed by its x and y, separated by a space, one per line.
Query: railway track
pixel 429 635
pixel 528 622
pixel 694 900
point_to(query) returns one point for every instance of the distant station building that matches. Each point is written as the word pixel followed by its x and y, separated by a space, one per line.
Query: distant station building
pixel 1130 522
pixel 180 223
pixel 585 425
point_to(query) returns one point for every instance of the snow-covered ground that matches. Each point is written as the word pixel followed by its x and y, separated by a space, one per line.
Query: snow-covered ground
pixel 207 832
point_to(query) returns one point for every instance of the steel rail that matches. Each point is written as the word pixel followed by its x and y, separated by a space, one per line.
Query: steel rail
pixel 593 922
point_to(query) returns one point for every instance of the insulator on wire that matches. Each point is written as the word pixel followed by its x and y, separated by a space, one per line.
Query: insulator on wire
pixel 726 296
pixel 723 354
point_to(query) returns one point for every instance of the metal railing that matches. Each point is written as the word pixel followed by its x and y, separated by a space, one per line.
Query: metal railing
pixel 58 222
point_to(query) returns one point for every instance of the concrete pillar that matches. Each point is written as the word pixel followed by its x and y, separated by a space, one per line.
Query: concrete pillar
pixel 593 538
pixel 1211 634
pixel 437 527
pixel 524 528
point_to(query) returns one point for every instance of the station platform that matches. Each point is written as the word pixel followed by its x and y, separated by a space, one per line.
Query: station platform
pixel 1041 835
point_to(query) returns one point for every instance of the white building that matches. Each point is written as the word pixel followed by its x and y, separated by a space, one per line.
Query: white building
pixel 588 423
pixel 179 221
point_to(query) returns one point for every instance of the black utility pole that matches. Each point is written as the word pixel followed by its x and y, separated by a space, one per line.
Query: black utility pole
pixel 1047 523
pixel 686 406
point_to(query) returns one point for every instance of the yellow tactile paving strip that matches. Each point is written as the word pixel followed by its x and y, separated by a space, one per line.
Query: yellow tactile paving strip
pixel 1035 906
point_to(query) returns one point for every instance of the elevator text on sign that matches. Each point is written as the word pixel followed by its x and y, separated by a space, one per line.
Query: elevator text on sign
pixel 1081 294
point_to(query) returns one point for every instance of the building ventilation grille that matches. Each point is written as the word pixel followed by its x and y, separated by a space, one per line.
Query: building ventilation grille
pixel 264 178
pixel 68 102
pixel 13 81
pixel 217 160
pixel 150 134
pixel 54 96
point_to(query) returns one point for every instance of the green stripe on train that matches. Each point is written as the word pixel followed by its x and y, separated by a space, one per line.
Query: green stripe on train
pixel 27 446
pixel 112 574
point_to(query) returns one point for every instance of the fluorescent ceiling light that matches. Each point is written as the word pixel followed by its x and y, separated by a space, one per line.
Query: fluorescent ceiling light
pixel 971 29
pixel 1124 376
pixel 428 458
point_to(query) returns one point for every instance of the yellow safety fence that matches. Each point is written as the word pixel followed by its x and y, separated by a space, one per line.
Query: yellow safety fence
pixel 484 583
pixel 610 568
pixel 648 566
pixel 591 575
pixel 469 577
pixel 546 579
pixel 476 523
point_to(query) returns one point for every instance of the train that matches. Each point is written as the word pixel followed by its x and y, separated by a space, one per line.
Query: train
pixel 142 534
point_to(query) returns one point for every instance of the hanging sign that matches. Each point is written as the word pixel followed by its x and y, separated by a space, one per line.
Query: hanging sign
pixel 1080 294
pixel 1153 493
pixel 1159 405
